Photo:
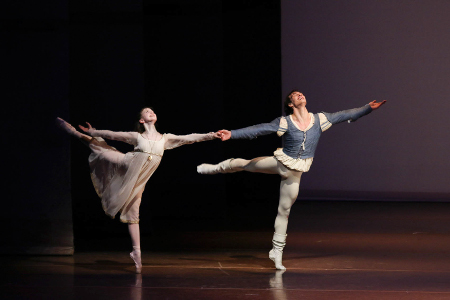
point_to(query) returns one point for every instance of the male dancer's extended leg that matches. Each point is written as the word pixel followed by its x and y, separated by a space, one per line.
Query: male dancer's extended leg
pixel 265 164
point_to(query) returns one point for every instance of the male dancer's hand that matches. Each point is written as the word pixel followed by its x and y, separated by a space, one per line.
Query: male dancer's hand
pixel 224 134
pixel 374 105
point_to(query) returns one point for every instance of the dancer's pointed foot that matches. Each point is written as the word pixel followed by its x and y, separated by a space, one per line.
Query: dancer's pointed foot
pixel 136 257
pixel 72 131
pixel 65 126
pixel 207 169
pixel 222 167
pixel 277 257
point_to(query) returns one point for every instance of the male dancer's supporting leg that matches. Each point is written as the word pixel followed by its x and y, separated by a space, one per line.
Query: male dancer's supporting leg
pixel 288 193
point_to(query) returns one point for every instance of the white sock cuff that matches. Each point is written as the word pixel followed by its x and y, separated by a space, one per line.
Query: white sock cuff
pixel 285 235
pixel 279 239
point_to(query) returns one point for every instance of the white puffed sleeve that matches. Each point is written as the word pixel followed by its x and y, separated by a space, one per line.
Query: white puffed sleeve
pixel 324 123
pixel 282 127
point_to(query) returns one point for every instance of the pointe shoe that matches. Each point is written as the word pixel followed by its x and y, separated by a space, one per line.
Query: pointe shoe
pixel 66 126
pixel 137 261
pixel 222 167
pixel 277 257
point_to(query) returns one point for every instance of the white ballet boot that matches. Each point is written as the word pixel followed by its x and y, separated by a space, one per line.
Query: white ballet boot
pixel 136 257
pixel 222 167
pixel 276 254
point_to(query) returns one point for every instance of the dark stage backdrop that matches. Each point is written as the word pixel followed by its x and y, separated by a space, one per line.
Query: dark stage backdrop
pixel 107 90
pixel 211 65
pixel 343 54
pixel 35 156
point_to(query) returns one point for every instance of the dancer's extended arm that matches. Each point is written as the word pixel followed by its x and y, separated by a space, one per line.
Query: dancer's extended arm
pixel 351 115
pixel 127 137
pixel 252 132
pixel 174 141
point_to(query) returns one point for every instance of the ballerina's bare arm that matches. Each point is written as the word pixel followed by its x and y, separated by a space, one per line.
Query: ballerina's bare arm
pixel 174 141
pixel 127 137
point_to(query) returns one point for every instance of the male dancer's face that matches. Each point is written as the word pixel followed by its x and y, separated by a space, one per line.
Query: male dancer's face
pixel 297 99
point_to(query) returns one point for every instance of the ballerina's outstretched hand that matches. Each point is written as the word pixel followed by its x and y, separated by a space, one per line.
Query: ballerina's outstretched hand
pixel 86 129
pixel 216 135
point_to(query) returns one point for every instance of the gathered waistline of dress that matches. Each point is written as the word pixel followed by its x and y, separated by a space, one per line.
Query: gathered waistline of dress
pixel 138 150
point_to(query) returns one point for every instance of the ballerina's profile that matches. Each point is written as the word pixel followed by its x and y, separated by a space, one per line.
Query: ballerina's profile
pixel 119 179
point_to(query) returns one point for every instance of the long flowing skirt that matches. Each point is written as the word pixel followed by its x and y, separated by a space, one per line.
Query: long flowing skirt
pixel 119 179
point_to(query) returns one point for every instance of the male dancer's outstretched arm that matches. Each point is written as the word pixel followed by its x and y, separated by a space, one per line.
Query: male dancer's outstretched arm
pixel 251 132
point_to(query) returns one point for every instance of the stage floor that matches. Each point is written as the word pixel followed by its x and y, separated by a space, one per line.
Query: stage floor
pixel 337 251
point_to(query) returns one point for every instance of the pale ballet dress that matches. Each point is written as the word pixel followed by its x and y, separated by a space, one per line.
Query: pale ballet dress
pixel 119 179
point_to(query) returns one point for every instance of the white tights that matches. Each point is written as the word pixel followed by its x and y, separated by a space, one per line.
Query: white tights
pixel 289 186
pixel 133 229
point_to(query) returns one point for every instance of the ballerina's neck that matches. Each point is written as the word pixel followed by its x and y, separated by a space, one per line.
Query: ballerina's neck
pixel 150 128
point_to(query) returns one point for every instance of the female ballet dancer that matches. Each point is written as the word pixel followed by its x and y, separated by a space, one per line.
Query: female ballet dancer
pixel 119 179
pixel 300 131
